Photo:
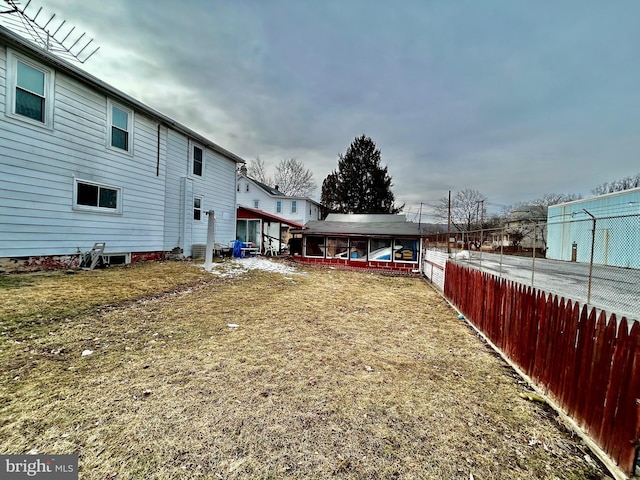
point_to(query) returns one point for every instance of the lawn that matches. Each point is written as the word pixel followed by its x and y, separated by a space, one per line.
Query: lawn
pixel 322 374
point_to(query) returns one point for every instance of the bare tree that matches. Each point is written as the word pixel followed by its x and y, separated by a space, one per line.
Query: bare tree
pixel 293 179
pixel 467 209
pixel 618 185
pixel 549 199
pixel 546 200
pixel 258 171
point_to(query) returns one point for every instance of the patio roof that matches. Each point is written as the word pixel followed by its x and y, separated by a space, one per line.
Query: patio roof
pixel 363 225
pixel 254 212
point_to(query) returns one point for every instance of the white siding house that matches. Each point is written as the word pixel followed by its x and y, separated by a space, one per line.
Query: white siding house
pixel 81 162
pixel 253 194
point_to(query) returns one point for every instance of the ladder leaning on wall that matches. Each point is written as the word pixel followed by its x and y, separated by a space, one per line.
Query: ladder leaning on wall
pixel 92 258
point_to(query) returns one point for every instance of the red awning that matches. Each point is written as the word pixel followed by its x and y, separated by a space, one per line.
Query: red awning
pixel 246 212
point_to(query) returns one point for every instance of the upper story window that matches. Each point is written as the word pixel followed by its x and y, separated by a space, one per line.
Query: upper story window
pixel 279 206
pixel 120 126
pixel 30 89
pixel 256 204
pixel 95 197
pixel 294 206
pixel 198 160
pixel 30 98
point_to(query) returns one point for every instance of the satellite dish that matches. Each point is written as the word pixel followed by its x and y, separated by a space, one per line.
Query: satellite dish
pixel 53 35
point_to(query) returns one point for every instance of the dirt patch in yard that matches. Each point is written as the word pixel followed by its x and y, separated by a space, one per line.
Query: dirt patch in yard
pixel 259 372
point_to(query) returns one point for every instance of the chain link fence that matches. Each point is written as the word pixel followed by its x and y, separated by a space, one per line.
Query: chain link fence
pixel 593 261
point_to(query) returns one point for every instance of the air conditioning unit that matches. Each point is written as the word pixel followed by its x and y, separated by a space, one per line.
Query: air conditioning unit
pixel 198 250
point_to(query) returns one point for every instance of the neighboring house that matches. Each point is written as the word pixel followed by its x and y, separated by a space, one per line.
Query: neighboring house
pixel 525 227
pixel 81 162
pixel 253 194
pixel 609 222
pixel 383 242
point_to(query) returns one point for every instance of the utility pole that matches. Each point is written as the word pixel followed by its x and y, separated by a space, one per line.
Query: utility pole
pixel 593 244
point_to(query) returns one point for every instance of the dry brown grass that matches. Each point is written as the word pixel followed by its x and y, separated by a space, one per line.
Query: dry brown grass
pixel 330 374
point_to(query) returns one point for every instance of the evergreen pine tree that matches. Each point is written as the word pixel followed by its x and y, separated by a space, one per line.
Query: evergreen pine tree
pixel 361 184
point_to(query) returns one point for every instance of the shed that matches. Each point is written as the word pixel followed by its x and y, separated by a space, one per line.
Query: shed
pixel 381 242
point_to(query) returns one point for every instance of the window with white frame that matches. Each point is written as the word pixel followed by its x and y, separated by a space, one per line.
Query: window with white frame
pixel 30 88
pixel 314 246
pixel 294 206
pixel 96 197
pixel 197 209
pixel 256 204
pixel 198 160
pixel 406 249
pixel 279 206
pixel 120 126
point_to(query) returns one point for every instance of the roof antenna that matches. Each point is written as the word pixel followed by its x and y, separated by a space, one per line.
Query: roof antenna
pixel 49 34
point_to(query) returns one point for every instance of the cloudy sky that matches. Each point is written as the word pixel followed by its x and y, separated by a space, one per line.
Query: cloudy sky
pixel 514 99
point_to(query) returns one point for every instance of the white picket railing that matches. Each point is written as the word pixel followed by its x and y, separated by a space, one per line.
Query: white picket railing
pixel 433 267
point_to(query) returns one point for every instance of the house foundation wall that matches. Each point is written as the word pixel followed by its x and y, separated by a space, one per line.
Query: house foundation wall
pixel 63 262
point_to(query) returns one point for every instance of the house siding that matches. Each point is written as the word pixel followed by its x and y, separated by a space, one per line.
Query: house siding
pixel 216 187
pixel 267 203
pixel 37 170
pixel 39 166
pixel 3 78
pixel 219 194
pixel 177 152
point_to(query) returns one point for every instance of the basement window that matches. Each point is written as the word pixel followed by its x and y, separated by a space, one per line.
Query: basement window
pixel 117 258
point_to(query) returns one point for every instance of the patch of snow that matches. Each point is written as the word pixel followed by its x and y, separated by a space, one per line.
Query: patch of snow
pixel 238 266
pixel 461 255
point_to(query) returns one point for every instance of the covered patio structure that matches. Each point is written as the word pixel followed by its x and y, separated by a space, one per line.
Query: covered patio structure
pixel 380 242
pixel 267 232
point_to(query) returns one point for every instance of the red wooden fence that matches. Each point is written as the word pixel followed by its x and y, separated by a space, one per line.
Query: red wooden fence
pixel 589 366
